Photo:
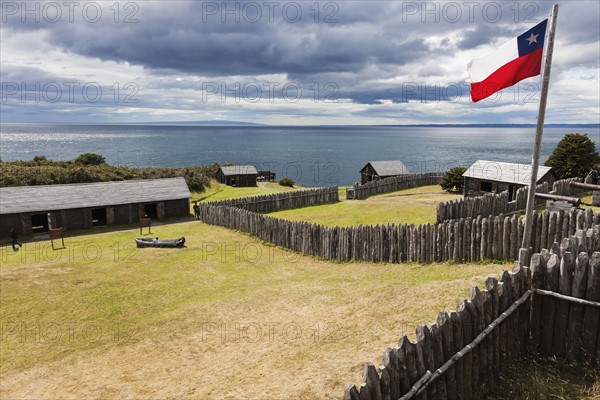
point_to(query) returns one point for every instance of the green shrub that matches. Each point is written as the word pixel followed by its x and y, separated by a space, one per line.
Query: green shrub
pixel 90 159
pixel 453 180
pixel 289 182
pixel 40 159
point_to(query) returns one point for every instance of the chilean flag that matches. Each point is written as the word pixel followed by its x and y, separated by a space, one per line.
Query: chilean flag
pixel 510 63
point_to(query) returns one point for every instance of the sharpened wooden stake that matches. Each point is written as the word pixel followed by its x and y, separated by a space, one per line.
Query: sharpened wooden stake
pixel 420 386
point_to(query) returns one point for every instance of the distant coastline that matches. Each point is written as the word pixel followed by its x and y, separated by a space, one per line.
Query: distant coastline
pixel 255 124
pixel 311 155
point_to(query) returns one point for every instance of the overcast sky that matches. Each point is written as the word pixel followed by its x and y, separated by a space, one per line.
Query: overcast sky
pixel 288 63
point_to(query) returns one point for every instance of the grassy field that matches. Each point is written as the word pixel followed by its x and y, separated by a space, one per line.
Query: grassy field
pixel 586 199
pixel 226 317
pixel 219 191
pixel 413 206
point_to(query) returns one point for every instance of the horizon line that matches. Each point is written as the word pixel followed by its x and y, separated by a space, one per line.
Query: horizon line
pixel 256 124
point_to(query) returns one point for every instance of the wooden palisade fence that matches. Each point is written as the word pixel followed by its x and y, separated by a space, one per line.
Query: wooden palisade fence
pixel 496 204
pixel 361 192
pixel 493 237
pixel 550 308
pixel 281 201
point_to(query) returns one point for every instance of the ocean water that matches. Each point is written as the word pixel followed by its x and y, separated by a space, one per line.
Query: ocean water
pixel 313 156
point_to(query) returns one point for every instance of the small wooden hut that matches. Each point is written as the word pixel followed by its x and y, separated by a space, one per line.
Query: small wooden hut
pixel 495 177
pixel 375 170
pixel 238 175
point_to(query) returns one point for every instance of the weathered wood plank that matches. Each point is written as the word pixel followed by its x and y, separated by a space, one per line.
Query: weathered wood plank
pixel 447 336
pixel 370 389
pixel 506 329
pixel 405 384
pixel 424 339
pixel 578 289
pixel 562 309
pixel 537 281
pixel 438 354
pixel 390 363
pixel 491 285
pixel 458 345
pixel 479 357
pixel 549 305
pixel 467 337
pixel 591 318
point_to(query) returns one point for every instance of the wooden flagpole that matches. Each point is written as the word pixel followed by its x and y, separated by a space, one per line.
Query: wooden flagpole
pixel 535 159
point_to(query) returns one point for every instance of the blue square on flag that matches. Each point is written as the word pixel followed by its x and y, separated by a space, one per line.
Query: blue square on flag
pixel 533 39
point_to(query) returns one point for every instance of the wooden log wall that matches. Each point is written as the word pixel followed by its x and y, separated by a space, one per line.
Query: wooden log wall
pixel 496 204
pixel 477 371
pixel 566 329
pixel 501 323
pixel 489 204
pixel 467 240
pixel 361 192
pixel 281 201
pixel 562 187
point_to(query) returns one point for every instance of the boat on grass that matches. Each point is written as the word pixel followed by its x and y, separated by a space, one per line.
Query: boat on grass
pixel 155 242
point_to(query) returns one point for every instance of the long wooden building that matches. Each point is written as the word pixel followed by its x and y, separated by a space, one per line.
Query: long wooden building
pixel 35 209
pixel 485 177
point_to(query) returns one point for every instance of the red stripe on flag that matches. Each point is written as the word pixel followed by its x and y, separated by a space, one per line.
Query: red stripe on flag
pixel 507 75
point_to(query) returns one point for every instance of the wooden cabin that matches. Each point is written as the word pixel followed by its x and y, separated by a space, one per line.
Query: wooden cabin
pixel 238 175
pixel 36 209
pixel 375 170
pixel 485 177
pixel 266 176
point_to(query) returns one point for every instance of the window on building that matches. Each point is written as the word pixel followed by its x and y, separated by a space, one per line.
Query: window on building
pixel 486 186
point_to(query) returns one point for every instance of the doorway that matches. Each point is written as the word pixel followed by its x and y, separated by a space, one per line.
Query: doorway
pixel 151 210
pixel 99 217
pixel 39 223
pixel 511 192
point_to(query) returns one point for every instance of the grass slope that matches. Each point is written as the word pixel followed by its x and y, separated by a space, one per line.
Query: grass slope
pixel 226 317
pixel 586 198
pixel 219 191
pixel 413 206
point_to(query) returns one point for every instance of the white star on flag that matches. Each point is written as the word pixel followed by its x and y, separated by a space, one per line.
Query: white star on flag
pixel 532 39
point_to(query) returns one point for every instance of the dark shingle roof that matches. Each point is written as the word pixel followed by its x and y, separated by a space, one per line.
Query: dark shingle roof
pixel 239 170
pixel 504 172
pixel 20 199
pixel 388 168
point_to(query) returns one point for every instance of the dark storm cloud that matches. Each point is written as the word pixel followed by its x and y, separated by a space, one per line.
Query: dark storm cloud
pixel 408 92
pixel 214 48
pixel 184 36
pixel 372 52
pixel 230 38
pixel 478 35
